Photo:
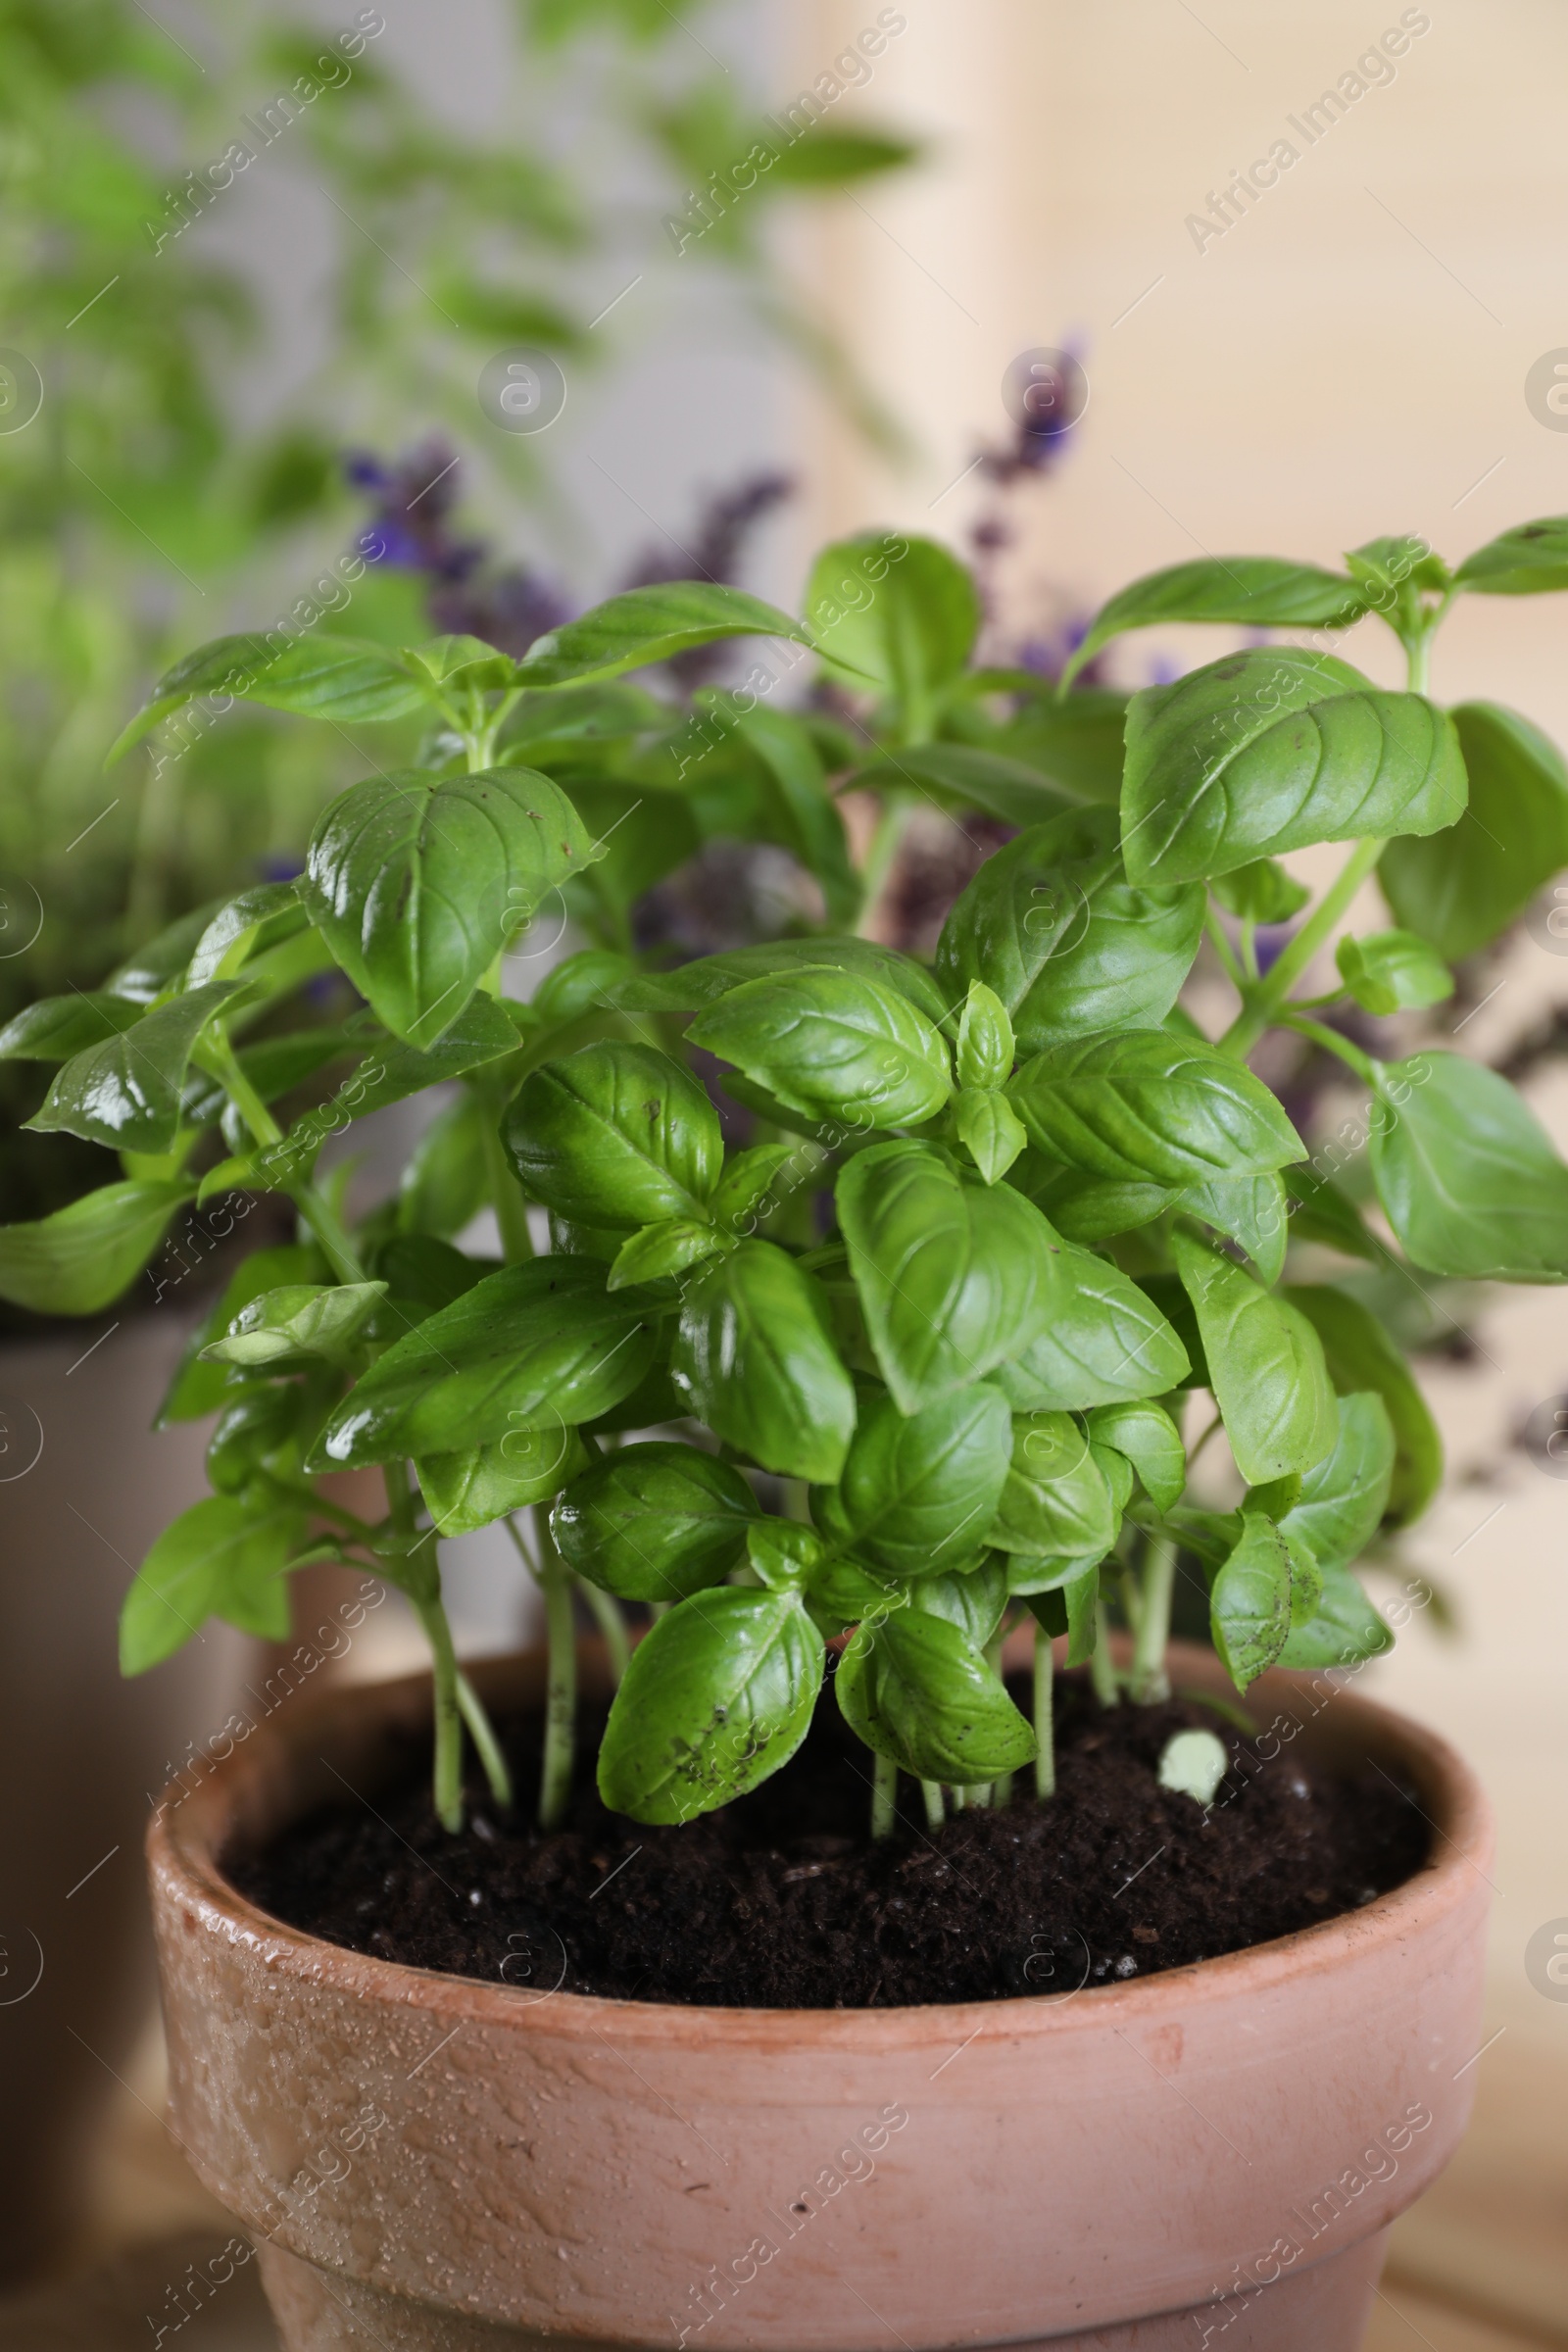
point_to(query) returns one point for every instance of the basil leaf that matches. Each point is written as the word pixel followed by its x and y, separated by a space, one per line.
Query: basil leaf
pixel 648 625
pixel 1319 1212
pixel 752 1185
pixel 798 809
pixel 222 1557
pixel 1165 1295
pixel 282 1328
pixel 445 1181
pixel 1260 893
pixel 1393 971
pixel 341 678
pixel 661 1251
pixel 986 1051
pixel 617 1136
pixel 1148 1106
pixel 417 882
pixel 1337 1504
pixel 1273 751
pixel 259 918
pixel 783 1554
pixel 1256 591
pixel 250 1432
pixel 1103 1340
pixel 1531 560
pixel 1150 1440
pixel 754 1358
pixel 989 1129
pixel 974 1599
pixel 56 1027
pixel 80 1257
pixel 158 967
pixel 1250 1602
pixel 716 1696
pixel 532 1347
pixel 1069 944
pixel 655 1522
pixel 1089 1208
pixel 470 1490
pixel 126 1093
pixel 1343 1629
pixel 1055 1501
pixel 1466 1173
pixel 918 1690
pixel 840 1594
pixel 832 1045
pixel 709 977
pixel 919 1491
pixel 1250 1209
pixel 1117 1473
pixel 1360 1355
pixel 1462 887
pixel 199 1387
pixel 903 613
pixel 952 1276
pixel 1265 1364
pixel 1075 745
pixel 962 776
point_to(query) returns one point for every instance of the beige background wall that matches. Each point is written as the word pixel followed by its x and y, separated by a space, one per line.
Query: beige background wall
pixel 1350 359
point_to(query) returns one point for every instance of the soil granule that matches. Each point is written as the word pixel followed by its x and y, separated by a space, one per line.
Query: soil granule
pixel 780 1900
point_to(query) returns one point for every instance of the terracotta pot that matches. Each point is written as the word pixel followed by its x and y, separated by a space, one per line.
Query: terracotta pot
pixel 1211 2156
pixel 85 1484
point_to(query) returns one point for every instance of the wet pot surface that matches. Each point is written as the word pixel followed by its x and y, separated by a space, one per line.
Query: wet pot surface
pixel 449 2163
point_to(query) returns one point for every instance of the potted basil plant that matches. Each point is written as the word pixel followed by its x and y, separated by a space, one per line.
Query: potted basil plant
pixel 1171 1965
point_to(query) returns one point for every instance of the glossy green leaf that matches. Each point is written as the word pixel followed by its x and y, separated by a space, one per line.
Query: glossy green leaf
pixel 754 1358
pixel 1336 1506
pixel 1393 971
pixel 901 614
pixel 989 1129
pixel 80 1257
pixel 1054 1502
pixel 1319 1212
pixel 1274 749
pixel 661 1251
pixel 1148 1106
pixel 655 1522
pixel 1531 560
pixel 199 1386
pixel 445 1181
pixel 1250 1209
pixel 1084 1208
pixel 1103 1340
pixel 1462 887
pixel 1343 1630
pixel 798 809
pixel 840 1593
pixel 258 919
pixel 417 882
pixel 57 1027
pixel 953 1277
pixel 986 1051
pixel 532 1347
pixel 974 1599
pixel 962 776
pixel 339 678
pixel 646 626
pixel 833 1046
pixel 783 1552
pixel 1076 745
pixel 222 1557
pixel 707 978
pixel 917 1688
pixel 919 1491
pixel 1260 893
pixel 1265 1364
pixel 755 1180
pixel 1070 947
pixel 162 960
pixel 472 1489
pixel 1255 592
pixel 717 1695
pixel 1466 1173
pixel 250 1432
pixel 1150 1440
pixel 126 1093
pixel 278 1330
pixel 617 1136
pixel 1251 1599
pixel 1360 1355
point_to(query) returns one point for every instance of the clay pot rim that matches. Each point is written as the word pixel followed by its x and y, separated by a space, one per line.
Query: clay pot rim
pixel 186 1835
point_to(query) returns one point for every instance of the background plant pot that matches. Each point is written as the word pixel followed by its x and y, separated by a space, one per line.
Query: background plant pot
pixel 85 1484
pixel 456 2165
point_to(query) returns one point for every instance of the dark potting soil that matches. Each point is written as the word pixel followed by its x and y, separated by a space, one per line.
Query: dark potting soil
pixel 782 1901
